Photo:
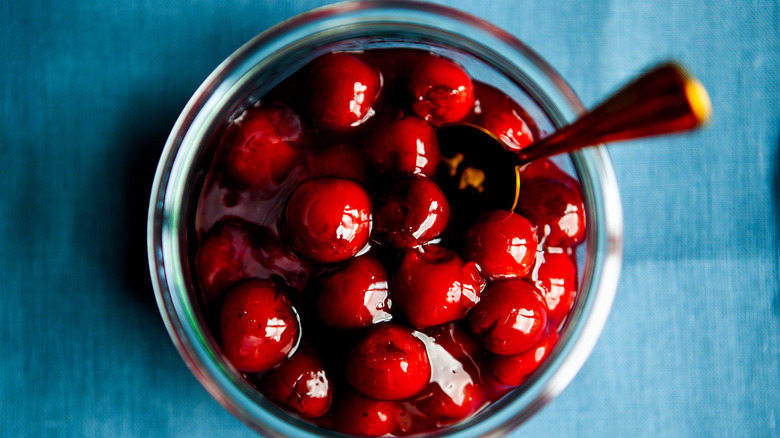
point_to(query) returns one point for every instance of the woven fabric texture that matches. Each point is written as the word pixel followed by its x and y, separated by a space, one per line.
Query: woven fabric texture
pixel 90 89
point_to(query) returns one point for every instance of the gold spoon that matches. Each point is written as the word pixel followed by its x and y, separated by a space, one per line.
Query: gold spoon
pixel 664 100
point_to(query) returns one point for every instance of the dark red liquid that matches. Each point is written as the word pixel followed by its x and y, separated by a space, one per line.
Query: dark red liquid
pixel 368 130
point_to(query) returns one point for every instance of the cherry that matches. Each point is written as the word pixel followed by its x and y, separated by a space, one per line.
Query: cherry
pixel 355 295
pixel 557 210
pixel 235 249
pixel 510 318
pixel 359 415
pixel 556 279
pixel 261 147
pixel 503 243
pixel 515 370
pixel 433 285
pixel 259 326
pixel 300 383
pixel 403 144
pixel 452 402
pixel 412 213
pixel 389 363
pixel 441 90
pixel 342 91
pixel 455 391
pixel 510 128
pixel 503 117
pixel 224 256
pixel 328 219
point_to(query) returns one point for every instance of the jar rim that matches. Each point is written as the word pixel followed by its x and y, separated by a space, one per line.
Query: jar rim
pixel 172 183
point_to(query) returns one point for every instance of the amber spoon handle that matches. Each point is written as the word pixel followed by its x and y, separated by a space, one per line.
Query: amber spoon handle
pixel 664 100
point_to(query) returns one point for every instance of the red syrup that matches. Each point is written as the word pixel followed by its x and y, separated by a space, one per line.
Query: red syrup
pixel 333 201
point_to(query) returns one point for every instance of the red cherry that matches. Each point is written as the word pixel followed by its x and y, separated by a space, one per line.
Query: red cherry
pixel 404 144
pixel 260 145
pixel 510 318
pixel 556 279
pixel 389 363
pixel 503 117
pixel 441 90
pixel 343 90
pixel 502 243
pixel 259 326
pixel 412 213
pixel 355 295
pixel 557 210
pixel 340 160
pixel 358 415
pixel 515 370
pixel 455 391
pixel 235 249
pixel 454 401
pixel 223 258
pixel 328 219
pixel 509 127
pixel 432 285
pixel 300 383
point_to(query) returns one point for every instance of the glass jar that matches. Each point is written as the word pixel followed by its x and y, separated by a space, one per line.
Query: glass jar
pixel 490 55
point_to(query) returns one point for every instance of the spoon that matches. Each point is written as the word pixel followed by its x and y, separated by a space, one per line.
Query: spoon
pixel 664 100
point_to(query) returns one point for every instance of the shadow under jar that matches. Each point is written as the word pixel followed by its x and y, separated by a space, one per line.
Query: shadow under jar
pixel 490 56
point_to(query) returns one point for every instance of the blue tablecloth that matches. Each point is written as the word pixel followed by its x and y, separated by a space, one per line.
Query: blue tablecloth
pixel 90 89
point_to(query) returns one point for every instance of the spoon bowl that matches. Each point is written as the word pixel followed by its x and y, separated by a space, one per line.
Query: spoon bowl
pixel 664 100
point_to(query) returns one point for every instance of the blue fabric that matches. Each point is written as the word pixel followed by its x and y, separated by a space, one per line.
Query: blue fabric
pixel 90 89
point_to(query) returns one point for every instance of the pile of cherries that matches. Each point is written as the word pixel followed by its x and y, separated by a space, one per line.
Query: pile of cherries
pixel 346 261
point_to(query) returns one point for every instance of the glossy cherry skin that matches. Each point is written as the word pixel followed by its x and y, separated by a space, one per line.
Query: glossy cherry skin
pixel 515 370
pixel 224 257
pixel 557 210
pixel 510 128
pixel 455 391
pixel 450 403
pixel 441 90
pixel 300 383
pixel 389 363
pixel 328 220
pixel 259 326
pixel 403 144
pixel 413 212
pixel 433 285
pixel 556 278
pixel 235 249
pixel 355 295
pixel 503 243
pixel 261 147
pixel 342 91
pixel 503 117
pixel 510 318
pixel 359 415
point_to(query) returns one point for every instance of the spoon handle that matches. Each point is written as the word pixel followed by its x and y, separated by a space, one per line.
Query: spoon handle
pixel 664 100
